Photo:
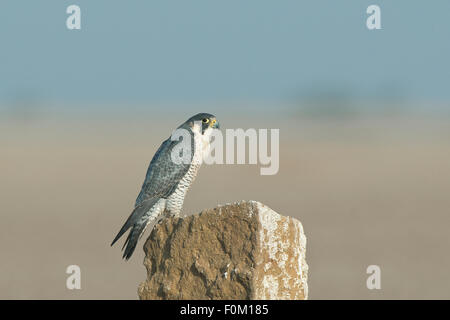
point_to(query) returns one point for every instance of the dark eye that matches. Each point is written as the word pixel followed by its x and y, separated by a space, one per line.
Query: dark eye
pixel 205 120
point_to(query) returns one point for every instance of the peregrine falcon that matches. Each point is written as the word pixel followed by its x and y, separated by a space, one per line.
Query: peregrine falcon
pixel 166 182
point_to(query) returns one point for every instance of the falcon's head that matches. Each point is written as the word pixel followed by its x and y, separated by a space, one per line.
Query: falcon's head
pixel 203 123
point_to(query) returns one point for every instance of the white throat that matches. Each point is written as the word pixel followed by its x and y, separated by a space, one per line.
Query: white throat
pixel 202 141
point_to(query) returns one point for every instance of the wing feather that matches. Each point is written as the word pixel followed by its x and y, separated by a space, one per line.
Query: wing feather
pixel 163 175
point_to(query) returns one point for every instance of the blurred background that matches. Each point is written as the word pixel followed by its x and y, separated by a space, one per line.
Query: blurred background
pixel 363 118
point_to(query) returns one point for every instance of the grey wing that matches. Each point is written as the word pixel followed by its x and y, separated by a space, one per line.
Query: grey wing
pixel 163 175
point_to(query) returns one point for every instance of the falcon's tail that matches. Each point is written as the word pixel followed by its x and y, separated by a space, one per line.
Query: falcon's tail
pixel 137 221
pixel 132 239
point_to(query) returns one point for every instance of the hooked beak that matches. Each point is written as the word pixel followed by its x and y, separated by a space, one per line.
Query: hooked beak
pixel 214 124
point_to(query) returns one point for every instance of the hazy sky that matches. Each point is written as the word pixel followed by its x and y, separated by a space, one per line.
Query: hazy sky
pixel 217 50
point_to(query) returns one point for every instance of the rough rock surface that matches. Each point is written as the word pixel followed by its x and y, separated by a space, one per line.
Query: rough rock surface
pixel 236 251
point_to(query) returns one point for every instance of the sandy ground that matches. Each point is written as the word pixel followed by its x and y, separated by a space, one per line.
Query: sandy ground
pixel 368 191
